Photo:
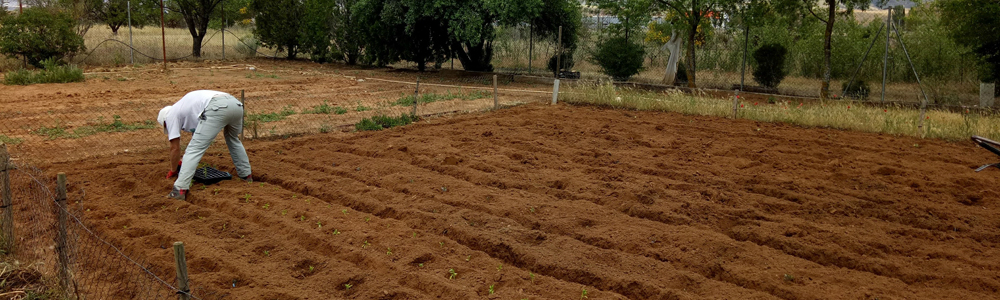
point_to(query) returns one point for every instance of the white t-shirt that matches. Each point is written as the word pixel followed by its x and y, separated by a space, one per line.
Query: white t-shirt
pixel 184 115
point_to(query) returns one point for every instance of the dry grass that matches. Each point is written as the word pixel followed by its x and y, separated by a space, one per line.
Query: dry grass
pixel 830 114
pixel 102 48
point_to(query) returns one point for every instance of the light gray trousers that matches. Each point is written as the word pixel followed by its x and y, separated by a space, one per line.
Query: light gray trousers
pixel 223 112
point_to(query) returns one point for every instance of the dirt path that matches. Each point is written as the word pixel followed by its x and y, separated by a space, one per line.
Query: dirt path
pixel 546 202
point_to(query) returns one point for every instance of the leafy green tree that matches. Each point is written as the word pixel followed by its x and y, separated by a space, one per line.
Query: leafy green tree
pixel 39 34
pixel 279 24
pixel 619 57
pixel 974 23
pixel 231 13
pixel 832 10
pixel 197 14
pixel 115 13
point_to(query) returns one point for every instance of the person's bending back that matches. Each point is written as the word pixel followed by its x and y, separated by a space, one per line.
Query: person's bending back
pixel 204 113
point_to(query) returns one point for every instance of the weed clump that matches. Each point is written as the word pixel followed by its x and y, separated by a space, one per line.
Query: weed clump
pixel 51 72
pixel 384 122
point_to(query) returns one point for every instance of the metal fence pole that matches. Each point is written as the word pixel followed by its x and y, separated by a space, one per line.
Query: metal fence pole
pixel 64 280
pixel 416 97
pixel 531 46
pixel 163 35
pixel 7 224
pixel 923 105
pixel 223 29
pixel 182 272
pixel 131 49
pixel 558 59
pixel 885 57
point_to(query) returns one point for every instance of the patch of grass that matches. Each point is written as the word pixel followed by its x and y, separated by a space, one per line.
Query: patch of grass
pixel 9 140
pixel 847 115
pixel 384 122
pixel 50 73
pixel 117 125
pixel 362 108
pixel 432 97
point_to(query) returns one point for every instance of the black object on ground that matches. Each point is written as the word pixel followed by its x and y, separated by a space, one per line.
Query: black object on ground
pixel 990 145
pixel 209 175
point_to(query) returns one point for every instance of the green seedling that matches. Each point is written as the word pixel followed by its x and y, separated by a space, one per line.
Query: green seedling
pixel 125 227
pixel 453 273
pixel 216 192
pixel 388 251
pixel 267 205
pixel 491 289
pixel 319 225
pixel 789 277
pixel 414 234
pixel 367 219
pixel 532 210
pixel 421 265
pixel 444 189
pixel 500 267
pixel 347 286
pixel 344 211
pixel 335 231
pixel 284 212
pixel 261 184
pixel 584 294
pixel 442 244
pixel 311 269
pixel 201 218
pixel 267 253
pixel 467 258
pixel 532 276
pixel 302 218
pixel 293 196
pixel 246 198
pixel 365 245
pixel 224 226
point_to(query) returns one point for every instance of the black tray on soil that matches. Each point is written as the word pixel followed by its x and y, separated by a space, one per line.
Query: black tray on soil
pixel 209 175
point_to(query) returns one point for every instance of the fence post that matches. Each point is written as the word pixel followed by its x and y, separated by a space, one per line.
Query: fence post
pixel 61 248
pixel 559 56
pixel 163 35
pixel 496 101
pixel 531 46
pixel 736 103
pixel 223 29
pixel 182 272
pixel 885 57
pixel 555 91
pixel 131 49
pixel 416 97
pixel 7 225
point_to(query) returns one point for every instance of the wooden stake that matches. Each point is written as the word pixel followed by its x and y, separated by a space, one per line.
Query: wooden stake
pixel 736 103
pixel 7 223
pixel 496 101
pixel 182 272
pixel 64 280
pixel 416 97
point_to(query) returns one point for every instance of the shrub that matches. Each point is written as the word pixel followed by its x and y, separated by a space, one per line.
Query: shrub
pixel 858 89
pixel 383 122
pixel 567 62
pixel 51 73
pixel 770 69
pixel 38 34
pixel 619 58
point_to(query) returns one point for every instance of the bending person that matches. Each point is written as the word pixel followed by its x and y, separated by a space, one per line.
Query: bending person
pixel 204 113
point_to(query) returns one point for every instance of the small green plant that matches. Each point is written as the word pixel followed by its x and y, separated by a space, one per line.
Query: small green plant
pixel 388 251
pixel 319 225
pixel 267 253
pixel 532 276
pixel 335 232
pixel 324 108
pixel 325 128
pixel 491 288
pixel 347 286
pixel 246 198
pixel 584 294
pixel 384 122
pixel 284 212
pixel 468 258
pixel 9 140
pixel 365 244
pixel 452 273
pixel 362 108
pixel 311 269
pixel 344 211
pixel 367 219
pixel 421 265
pixel 789 277
pixel 266 206
pixel 302 218
pixel 500 268
pixel 253 119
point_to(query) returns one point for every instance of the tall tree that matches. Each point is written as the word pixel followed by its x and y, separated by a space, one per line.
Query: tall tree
pixel 115 13
pixel 279 23
pixel 974 23
pixel 197 14
pixel 832 8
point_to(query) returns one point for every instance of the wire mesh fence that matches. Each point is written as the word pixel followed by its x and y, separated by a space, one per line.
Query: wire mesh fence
pixel 47 241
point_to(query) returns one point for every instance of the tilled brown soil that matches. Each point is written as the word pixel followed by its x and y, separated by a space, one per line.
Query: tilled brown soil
pixel 548 202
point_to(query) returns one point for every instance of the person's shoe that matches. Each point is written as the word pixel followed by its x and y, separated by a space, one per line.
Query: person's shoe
pixel 248 179
pixel 178 194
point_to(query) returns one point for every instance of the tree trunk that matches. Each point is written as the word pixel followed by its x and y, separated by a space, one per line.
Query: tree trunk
pixel 692 35
pixel 196 45
pixel 824 91
pixel 674 46
pixel 476 58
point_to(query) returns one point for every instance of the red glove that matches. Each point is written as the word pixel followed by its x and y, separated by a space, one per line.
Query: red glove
pixel 173 174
